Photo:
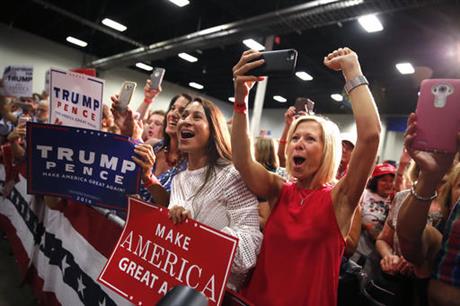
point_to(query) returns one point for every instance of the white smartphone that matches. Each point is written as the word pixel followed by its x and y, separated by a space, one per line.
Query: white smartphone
pixel 126 93
pixel 157 77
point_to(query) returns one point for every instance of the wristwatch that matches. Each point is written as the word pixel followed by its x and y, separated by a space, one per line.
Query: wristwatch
pixel 353 83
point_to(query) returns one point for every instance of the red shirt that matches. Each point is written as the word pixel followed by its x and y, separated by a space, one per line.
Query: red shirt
pixel 301 252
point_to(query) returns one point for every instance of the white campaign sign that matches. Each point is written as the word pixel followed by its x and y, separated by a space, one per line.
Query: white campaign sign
pixel 75 99
pixel 17 81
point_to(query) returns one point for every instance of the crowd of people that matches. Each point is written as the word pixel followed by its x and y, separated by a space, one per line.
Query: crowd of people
pixel 301 207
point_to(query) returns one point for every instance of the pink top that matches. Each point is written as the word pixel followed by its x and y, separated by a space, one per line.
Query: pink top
pixel 301 252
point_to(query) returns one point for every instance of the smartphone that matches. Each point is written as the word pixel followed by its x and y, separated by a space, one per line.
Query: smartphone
pixel 277 63
pixel 126 93
pixel 438 115
pixel 157 77
pixel 304 105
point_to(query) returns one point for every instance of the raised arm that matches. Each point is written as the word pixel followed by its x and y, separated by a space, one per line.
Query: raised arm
pixel 260 181
pixel 414 236
pixel 347 192
pixel 149 95
pixel 404 161
pixel 288 118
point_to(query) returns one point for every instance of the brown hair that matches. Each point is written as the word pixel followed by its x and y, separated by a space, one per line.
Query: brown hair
pixel 265 153
pixel 445 195
pixel 219 150
pixel 219 146
pixel 166 138
pixel 157 112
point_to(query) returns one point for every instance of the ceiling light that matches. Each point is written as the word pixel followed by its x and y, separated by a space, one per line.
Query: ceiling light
pixel 76 41
pixel 303 76
pixel 144 66
pixel 252 44
pixel 231 99
pixel 370 23
pixel 405 68
pixel 180 3
pixel 337 97
pixel 279 99
pixel 195 85
pixel 187 57
pixel 114 25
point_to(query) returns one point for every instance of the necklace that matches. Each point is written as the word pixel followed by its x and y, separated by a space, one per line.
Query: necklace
pixel 303 198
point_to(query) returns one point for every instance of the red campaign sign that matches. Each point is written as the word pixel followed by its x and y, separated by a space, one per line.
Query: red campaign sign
pixel 153 256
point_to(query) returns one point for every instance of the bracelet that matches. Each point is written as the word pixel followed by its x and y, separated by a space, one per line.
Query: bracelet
pixel 239 108
pixel 148 100
pixel 353 83
pixel 283 141
pixel 420 198
pixel 151 181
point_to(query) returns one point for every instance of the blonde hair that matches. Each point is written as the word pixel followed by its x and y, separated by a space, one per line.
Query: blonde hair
pixel 445 195
pixel 265 152
pixel 332 149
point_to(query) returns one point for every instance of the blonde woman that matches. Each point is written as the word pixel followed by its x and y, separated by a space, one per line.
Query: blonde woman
pixel 304 236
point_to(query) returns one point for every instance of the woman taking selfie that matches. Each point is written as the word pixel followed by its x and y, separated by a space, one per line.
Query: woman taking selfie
pixel 304 236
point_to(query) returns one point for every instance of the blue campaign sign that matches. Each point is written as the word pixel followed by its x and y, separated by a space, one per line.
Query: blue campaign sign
pixel 88 166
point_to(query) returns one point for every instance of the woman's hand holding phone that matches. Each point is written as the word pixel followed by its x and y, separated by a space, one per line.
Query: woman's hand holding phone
pixel 432 165
pixel 243 82
pixel 149 92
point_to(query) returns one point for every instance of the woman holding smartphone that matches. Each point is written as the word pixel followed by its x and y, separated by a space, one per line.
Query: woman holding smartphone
pixel 304 236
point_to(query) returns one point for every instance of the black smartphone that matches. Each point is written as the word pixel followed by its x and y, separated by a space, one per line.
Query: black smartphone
pixel 277 63
pixel 157 77
pixel 304 105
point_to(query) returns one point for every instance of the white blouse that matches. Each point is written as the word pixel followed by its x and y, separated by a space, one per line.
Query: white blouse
pixel 225 204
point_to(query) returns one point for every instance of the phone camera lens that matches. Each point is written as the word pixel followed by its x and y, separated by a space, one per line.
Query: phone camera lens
pixel 442 88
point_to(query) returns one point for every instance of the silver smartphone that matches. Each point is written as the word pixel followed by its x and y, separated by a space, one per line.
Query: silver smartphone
pixel 126 93
pixel 157 77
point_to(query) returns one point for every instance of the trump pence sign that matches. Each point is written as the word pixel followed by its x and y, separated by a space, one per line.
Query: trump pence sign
pixel 88 166
pixel 75 99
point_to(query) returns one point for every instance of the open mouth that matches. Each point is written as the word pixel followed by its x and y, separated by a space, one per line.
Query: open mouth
pixel 186 134
pixel 298 160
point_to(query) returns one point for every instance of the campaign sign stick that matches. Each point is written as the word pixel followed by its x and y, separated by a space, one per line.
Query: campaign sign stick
pixel 17 81
pixel 153 256
pixel 75 99
pixel 88 166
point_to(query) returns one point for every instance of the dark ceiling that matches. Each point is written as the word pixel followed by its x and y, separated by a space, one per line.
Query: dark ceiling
pixel 425 33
